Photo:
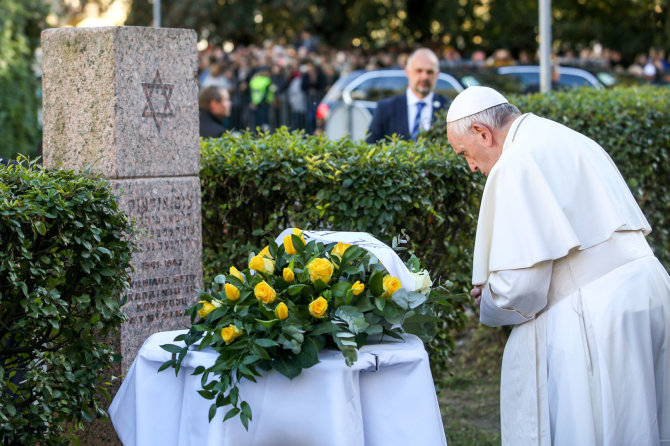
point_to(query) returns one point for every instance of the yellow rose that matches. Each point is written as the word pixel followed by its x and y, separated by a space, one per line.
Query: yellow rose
pixel 264 292
pixel 232 292
pixel 288 241
pixel 235 273
pixel 338 250
pixel 357 288
pixel 230 333
pixel 281 311
pixel 288 274
pixel 391 285
pixel 320 269
pixel 265 252
pixel 262 265
pixel 318 307
pixel 208 307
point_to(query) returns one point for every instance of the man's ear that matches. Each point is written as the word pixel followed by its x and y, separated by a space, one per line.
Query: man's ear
pixel 483 133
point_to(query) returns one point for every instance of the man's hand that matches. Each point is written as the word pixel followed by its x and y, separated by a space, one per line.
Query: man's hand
pixel 476 293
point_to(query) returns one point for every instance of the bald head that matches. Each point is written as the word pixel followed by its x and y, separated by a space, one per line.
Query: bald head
pixel 422 70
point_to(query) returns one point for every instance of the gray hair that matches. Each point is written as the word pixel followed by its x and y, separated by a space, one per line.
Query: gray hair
pixel 428 52
pixel 494 117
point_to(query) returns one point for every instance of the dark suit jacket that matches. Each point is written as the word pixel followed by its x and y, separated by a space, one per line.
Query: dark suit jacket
pixel 210 125
pixel 391 117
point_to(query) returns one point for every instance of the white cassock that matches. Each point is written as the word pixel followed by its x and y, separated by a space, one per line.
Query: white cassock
pixel 562 255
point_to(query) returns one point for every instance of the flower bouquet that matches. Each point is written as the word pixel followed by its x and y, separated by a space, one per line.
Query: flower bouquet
pixel 294 299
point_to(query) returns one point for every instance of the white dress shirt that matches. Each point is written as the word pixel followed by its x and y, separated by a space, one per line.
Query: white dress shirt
pixel 426 112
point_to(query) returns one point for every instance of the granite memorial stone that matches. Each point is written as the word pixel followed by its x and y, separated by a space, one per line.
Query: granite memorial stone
pixel 122 101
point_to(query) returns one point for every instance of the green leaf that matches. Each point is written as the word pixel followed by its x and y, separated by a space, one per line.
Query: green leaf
pixel 268 324
pixel 266 342
pixel 104 250
pixel 260 352
pixel 380 303
pixel 246 409
pixel 393 314
pixel 212 412
pixel 234 395
pixel 286 368
pixel 339 290
pixel 323 328
pixel 319 286
pixel 377 283
pixel 309 356
pixel 352 253
pixel 298 244
pixel 354 318
pixel 408 299
pixel 374 330
pixel 172 348
pixel 208 395
pixel 40 227
pixel 166 365
pixel 295 290
pixel 245 421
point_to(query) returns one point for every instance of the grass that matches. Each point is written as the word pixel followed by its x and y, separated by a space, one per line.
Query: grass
pixel 470 389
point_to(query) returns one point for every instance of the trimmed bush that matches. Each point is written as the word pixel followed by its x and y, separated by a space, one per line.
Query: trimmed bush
pixel 65 249
pixel 254 187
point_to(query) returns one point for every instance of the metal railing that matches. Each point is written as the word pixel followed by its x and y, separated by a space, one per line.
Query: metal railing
pixel 294 113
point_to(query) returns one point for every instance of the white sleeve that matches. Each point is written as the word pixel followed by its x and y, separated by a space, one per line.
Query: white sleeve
pixel 513 297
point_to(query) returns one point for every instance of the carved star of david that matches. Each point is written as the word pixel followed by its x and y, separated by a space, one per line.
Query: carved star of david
pixel 150 111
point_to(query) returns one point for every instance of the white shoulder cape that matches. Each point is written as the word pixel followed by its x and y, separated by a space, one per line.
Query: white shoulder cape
pixel 552 190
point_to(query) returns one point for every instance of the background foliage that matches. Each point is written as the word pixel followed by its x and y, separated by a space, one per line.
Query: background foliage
pixel 21 22
pixel 628 26
pixel 65 249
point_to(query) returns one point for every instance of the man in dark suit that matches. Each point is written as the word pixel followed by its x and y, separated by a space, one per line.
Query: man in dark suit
pixel 409 113
pixel 214 104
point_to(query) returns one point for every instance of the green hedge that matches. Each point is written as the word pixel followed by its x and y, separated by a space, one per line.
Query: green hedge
pixel 65 249
pixel 633 126
pixel 254 187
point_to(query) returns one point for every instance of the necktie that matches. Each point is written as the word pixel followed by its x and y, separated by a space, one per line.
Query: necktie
pixel 417 120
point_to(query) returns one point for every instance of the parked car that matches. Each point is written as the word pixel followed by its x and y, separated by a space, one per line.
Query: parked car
pixel 348 106
pixel 613 78
pixel 525 78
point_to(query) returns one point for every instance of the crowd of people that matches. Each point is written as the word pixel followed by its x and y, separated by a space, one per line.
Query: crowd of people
pixel 281 83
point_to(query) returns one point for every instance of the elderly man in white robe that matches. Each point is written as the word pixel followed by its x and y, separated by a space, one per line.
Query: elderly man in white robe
pixel 561 255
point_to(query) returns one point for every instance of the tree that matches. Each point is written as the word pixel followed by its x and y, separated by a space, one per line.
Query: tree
pixel 21 22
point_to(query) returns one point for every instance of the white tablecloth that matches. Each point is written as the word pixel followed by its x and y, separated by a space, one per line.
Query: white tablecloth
pixel 386 398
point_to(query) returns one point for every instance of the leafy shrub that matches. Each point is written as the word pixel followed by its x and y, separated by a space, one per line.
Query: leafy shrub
pixel 631 124
pixel 65 249
pixel 279 180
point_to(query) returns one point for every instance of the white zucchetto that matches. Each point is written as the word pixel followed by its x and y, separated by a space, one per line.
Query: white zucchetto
pixel 473 100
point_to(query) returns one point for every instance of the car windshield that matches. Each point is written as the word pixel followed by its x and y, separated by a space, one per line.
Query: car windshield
pixel 335 91
pixel 386 85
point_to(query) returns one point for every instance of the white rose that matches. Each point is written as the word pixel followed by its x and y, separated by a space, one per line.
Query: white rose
pixel 422 282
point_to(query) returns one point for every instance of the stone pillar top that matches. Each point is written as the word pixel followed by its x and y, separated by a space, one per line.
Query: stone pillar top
pixel 115 99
